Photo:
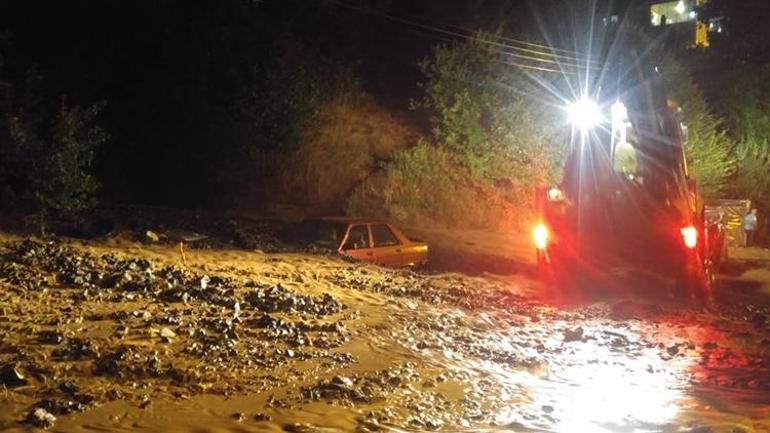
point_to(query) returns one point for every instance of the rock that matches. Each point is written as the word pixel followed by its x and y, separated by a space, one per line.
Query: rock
pixel 167 333
pixel 69 387
pixel 342 381
pixel 114 394
pixel 65 406
pixel 144 402
pixel 11 376
pixel 238 416
pixel 573 334
pixel 41 418
pixel 259 416
pixel 547 408
pixel 151 236
pixel 49 337
pixel 299 428
pixel 75 349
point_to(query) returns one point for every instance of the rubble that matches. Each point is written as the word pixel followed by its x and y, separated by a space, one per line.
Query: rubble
pixel 12 376
pixel 41 418
pixel 81 329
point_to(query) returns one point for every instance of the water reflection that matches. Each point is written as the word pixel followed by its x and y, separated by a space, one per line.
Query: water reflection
pixel 607 383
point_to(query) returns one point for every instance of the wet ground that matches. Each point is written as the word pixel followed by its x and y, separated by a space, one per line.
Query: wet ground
pixel 119 335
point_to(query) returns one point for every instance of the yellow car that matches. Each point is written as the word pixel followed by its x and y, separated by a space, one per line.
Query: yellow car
pixel 369 240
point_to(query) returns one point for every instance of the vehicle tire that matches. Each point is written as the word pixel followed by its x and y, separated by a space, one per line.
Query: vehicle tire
pixel 725 256
pixel 695 280
pixel 558 274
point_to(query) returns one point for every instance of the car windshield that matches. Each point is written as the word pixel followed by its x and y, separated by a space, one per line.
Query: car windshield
pixel 326 234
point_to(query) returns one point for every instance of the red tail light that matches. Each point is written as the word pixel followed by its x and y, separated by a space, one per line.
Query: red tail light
pixel 690 235
pixel 540 235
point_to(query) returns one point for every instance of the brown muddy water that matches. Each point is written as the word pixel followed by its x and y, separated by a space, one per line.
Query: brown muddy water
pixel 118 336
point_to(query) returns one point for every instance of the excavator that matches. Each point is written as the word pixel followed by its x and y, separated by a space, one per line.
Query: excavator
pixel 626 204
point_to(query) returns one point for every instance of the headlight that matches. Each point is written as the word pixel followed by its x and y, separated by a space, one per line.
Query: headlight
pixel 584 113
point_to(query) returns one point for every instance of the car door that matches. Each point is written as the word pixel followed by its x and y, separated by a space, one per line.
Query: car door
pixel 388 249
pixel 357 243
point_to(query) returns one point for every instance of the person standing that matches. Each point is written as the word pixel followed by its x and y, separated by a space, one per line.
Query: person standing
pixel 750 227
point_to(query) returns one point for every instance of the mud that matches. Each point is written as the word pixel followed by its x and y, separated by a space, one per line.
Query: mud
pixel 115 335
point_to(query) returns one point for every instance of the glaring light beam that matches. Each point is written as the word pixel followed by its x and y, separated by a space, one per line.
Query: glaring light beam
pixel 584 114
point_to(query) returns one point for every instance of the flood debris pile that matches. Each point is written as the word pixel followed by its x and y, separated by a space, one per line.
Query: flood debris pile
pixel 387 350
pixel 79 330
pixel 412 400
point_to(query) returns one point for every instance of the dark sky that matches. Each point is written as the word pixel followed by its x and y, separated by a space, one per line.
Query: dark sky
pixel 170 70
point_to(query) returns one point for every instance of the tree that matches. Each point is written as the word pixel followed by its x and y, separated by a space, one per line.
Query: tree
pixel 709 149
pixel 50 155
pixel 479 115
pixel 742 96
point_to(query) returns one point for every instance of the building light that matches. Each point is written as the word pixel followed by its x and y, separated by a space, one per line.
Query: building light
pixel 692 15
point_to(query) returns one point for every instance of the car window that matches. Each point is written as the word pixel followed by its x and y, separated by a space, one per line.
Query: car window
pixel 357 238
pixel 383 236
pixel 324 234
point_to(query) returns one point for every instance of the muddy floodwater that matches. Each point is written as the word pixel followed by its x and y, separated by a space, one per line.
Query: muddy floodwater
pixel 117 335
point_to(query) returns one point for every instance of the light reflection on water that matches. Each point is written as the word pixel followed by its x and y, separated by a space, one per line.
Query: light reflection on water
pixel 589 387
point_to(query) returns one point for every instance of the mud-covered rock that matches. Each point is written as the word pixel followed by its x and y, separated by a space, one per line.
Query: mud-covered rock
pixel 11 375
pixel 41 418
pixel 76 349
pixel 280 299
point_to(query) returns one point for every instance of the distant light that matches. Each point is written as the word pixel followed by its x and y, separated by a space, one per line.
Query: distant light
pixel 680 7
pixel 692 14
pixel 584 113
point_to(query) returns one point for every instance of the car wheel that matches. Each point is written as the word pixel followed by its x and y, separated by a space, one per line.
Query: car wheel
pixel 696 281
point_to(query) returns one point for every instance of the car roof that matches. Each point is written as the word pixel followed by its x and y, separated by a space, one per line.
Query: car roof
pixel 348 220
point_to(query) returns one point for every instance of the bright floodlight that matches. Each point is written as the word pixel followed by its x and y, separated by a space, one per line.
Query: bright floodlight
pixel 584 113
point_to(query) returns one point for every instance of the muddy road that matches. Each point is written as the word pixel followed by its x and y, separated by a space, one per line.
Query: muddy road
pixel 117 335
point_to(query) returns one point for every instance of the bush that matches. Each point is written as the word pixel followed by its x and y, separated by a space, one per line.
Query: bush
pixel 425 185
pixel 709 149
pixel 479 116
pixel 487 153
pixel 741 95
pixel 48 158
